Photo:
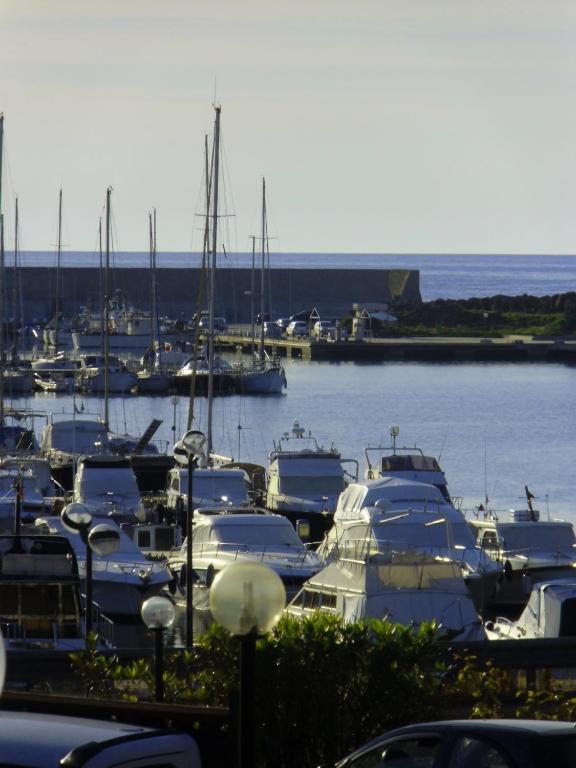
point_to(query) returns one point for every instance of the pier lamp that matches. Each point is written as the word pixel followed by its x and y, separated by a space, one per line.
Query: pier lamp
pixel 102 539
pixel 192 443
pixel 247 599
pixel 174 400
pixel 158 614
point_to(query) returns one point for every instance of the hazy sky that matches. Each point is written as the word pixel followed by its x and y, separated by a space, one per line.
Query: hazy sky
pixel 380 125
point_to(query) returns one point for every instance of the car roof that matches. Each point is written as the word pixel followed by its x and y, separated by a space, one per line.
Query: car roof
pixel 54 736
pixel 541 727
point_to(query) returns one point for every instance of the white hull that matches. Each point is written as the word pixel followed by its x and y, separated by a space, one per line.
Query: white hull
pixel 118 382
pixel 270 381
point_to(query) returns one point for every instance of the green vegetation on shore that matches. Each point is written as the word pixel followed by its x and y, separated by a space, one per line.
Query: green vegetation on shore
pixel 492 317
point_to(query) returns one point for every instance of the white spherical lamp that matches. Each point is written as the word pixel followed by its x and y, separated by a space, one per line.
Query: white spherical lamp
pixel 158 612
pixel 247 598
pixel 104 539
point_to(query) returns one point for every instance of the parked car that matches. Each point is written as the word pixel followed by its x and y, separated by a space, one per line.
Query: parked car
pixel 470 744
pixel 323 329
pixel 220 323
pixel 30 740
pixel 297 328
pixel 283 322
pixel 271 330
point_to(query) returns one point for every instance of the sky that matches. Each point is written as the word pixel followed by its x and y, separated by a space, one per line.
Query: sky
pixel 381 126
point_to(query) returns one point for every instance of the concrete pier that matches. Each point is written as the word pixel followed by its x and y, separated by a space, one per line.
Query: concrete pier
pixel 331 291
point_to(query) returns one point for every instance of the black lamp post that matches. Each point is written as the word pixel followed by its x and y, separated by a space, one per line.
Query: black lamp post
pixel 158 614
pixel 247 599
pixel 189 449
pixel 102 539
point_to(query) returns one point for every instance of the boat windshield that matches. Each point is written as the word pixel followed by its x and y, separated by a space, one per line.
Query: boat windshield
pixel 415 462
pixel 312 486
pixel 256 535
pixel 537 536
pixel 218 488
pixel 121 482
pixel 424 536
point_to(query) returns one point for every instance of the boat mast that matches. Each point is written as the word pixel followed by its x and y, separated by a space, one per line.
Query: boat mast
pixel 252 282
pixel 212 283
pixel 101 286
pixel 262 270
pixel 151 266
pixel 107 310
pixel 2 355
pixel 58 257
pixel 15 283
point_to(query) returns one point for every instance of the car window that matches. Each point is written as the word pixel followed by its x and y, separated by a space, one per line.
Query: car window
pixel 472 752
pixel 400 753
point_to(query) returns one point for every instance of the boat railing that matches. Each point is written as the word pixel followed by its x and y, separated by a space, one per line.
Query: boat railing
pixel 102 625
pixel 271 552
pixel 40 628
pixel 395 551
pixel 144 570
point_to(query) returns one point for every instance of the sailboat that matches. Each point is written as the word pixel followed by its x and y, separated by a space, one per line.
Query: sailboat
pixel 264 375
pixel 152 379
pixel 13 380
pixel 105 373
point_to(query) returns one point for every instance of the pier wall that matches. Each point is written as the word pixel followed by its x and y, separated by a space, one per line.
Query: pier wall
pixel 331 291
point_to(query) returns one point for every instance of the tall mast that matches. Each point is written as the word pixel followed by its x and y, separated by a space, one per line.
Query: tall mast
pixel 212 282
pixel 262 271
pixel 101 286
pixel 151 265
pixel 59 254
pixel 16 273
pixel 107 309
pixel 2 355
pixel 252 282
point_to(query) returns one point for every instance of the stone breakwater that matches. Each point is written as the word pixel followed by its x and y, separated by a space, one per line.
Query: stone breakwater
pixel 331 291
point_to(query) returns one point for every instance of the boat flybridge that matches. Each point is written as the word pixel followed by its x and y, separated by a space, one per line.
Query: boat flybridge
pixel 304 479
pixel 108 484
pixel 408 463
pixel 406 516
pixel 408 588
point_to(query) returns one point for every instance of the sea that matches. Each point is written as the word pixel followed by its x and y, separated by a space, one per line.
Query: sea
pixel 496 428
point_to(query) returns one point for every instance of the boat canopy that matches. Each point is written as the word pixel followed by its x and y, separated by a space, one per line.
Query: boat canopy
pixel 301 466
pixel 520 537
pixel 389 493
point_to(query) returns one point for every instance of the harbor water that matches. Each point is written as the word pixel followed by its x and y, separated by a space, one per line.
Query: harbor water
pixel 495 427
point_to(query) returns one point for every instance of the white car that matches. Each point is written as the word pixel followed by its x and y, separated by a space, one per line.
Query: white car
pixel 297 328
pixel 324 329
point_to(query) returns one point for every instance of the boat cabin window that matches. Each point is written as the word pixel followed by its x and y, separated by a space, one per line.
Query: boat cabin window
pixel 309 485
pixel 400 463
pixel 312 600
pixel 216 488
pixel 144 539
pixel 568 618
pixel 175 483
pixel 165 538
pixel 490 540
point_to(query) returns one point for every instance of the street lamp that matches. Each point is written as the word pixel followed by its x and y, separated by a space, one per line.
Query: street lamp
pixel 158 614
pixel 247 599
pixel 174 400
pixel 102 539
pixel 187 450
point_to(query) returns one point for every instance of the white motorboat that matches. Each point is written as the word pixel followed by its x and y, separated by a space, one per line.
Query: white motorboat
pixel 108 484
pixel 51 363
pixel 122 580
pixel 550 612
pixel 530 549
pixel 304 480
pixel 64 440
pixel 91 375
pixel 402 588
pixel 411 517
pixel 54 383
pixel 223 535
pixel 41 607
pixel 210 486
pixel 407 463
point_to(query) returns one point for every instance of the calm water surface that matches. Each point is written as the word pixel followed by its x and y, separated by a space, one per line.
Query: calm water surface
pixel 495 427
